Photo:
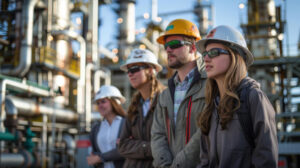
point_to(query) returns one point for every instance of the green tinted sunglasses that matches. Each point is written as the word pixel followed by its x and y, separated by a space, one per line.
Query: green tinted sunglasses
pixel 176 44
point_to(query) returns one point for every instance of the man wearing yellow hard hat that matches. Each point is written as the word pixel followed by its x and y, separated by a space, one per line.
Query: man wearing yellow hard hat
pixel 175 117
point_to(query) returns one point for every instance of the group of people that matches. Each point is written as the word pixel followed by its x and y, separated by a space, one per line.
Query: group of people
pixel 211 114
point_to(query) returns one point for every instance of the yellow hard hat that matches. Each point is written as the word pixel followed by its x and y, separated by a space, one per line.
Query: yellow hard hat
pixel 180 27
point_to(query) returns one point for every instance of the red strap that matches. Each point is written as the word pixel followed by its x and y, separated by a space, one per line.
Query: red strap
pixel 168 124
pixel 188 121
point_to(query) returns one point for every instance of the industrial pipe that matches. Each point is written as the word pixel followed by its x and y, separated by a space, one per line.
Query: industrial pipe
pixel 27 31
pixel 11 160
pixel 28 107
pixel 18 85
pixel 70 142
pixel 107 53
pixel 93 25
pixel 81 81
pixel 104 72
pixel 88 90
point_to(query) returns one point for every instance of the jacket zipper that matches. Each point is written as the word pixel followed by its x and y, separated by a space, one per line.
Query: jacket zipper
pixel 216 138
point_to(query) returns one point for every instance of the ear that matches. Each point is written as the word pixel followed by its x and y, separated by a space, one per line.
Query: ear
pixel 193 48
pixel 150 71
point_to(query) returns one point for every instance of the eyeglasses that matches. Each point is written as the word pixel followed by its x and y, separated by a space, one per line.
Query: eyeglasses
pixel 176 44
pixel 135 69
pixel 214 52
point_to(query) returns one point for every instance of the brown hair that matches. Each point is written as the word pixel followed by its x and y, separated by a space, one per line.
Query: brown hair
pixel 192 40
pixel 117 108
pixel 230 102
pixel 156 88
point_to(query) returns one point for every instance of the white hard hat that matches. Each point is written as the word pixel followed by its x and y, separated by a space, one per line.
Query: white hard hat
pixel 108 91
pixel 231 36
pixel 141 56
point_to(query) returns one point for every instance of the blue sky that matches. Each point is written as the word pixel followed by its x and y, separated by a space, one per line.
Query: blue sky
pixel 225 12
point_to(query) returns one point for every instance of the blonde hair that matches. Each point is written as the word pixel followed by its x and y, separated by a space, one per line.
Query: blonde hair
pixel 230 102
pixel 117 108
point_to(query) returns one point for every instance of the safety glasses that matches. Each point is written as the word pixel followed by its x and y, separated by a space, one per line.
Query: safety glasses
pixel 176 44
pixel 135 69
pixel 214 52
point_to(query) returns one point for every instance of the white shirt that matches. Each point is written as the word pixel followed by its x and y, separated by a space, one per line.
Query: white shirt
pixel 107 137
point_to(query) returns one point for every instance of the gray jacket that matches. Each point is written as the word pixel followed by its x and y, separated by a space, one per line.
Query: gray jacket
pixel 168 141
pixel 229 147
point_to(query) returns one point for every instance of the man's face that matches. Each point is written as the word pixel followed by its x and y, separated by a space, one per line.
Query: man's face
pixel 178 57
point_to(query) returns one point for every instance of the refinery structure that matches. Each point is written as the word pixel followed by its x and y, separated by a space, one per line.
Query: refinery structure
pixel 47 85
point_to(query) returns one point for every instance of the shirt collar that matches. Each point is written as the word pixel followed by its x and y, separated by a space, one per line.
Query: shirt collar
pixel 143 101
pixel 116 118
pixel 187 78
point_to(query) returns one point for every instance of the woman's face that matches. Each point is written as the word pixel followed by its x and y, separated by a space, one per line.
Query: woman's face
pixel 104 107
pixel 137 74
pixel 217 66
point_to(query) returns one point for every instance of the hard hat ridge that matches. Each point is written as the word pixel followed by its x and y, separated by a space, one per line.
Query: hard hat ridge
pixel 142 56
pixel 108 91
pixel 180 27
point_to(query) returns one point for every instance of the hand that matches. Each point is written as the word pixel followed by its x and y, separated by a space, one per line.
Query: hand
pixel 118 141
pixel 93 159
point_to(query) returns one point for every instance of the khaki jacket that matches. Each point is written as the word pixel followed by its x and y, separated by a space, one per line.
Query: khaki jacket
pixel 230 148
pixel 168 141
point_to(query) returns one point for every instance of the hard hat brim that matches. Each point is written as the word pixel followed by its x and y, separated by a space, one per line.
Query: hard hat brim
pixel 161 39
pixel 200 45
pixel 158 68
pixel 122 99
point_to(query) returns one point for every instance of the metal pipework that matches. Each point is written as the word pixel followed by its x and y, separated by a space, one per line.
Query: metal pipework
pixel 81 81
pixel 27 31
pixel 11 160
pixel 88 90
pixel 71 145
pixel 21 159
pixel 28 107
pixel 107 53
pixel 127 27
pixel 106 74
pixel 93 30
pixel 19 86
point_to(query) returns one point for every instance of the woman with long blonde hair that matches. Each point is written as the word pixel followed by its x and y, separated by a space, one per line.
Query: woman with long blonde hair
pixel 238 123
pixel 141 67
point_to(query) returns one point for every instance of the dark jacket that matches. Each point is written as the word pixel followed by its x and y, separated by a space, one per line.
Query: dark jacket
pixel 135 139
pixel 112 155
pixel 168 141
pixel 230 148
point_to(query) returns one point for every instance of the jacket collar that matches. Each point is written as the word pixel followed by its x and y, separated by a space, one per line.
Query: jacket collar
pixel 197 76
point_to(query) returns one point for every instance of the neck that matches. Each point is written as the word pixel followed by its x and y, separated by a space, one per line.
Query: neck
pixel 145 90
pixel 110 118
pixel 184 70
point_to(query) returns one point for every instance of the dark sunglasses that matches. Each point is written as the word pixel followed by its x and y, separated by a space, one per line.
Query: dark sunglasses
pixel 135 69
pixel 214 52
pixel 176 44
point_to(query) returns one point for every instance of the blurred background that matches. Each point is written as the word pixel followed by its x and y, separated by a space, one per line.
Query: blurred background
pixel 55 54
